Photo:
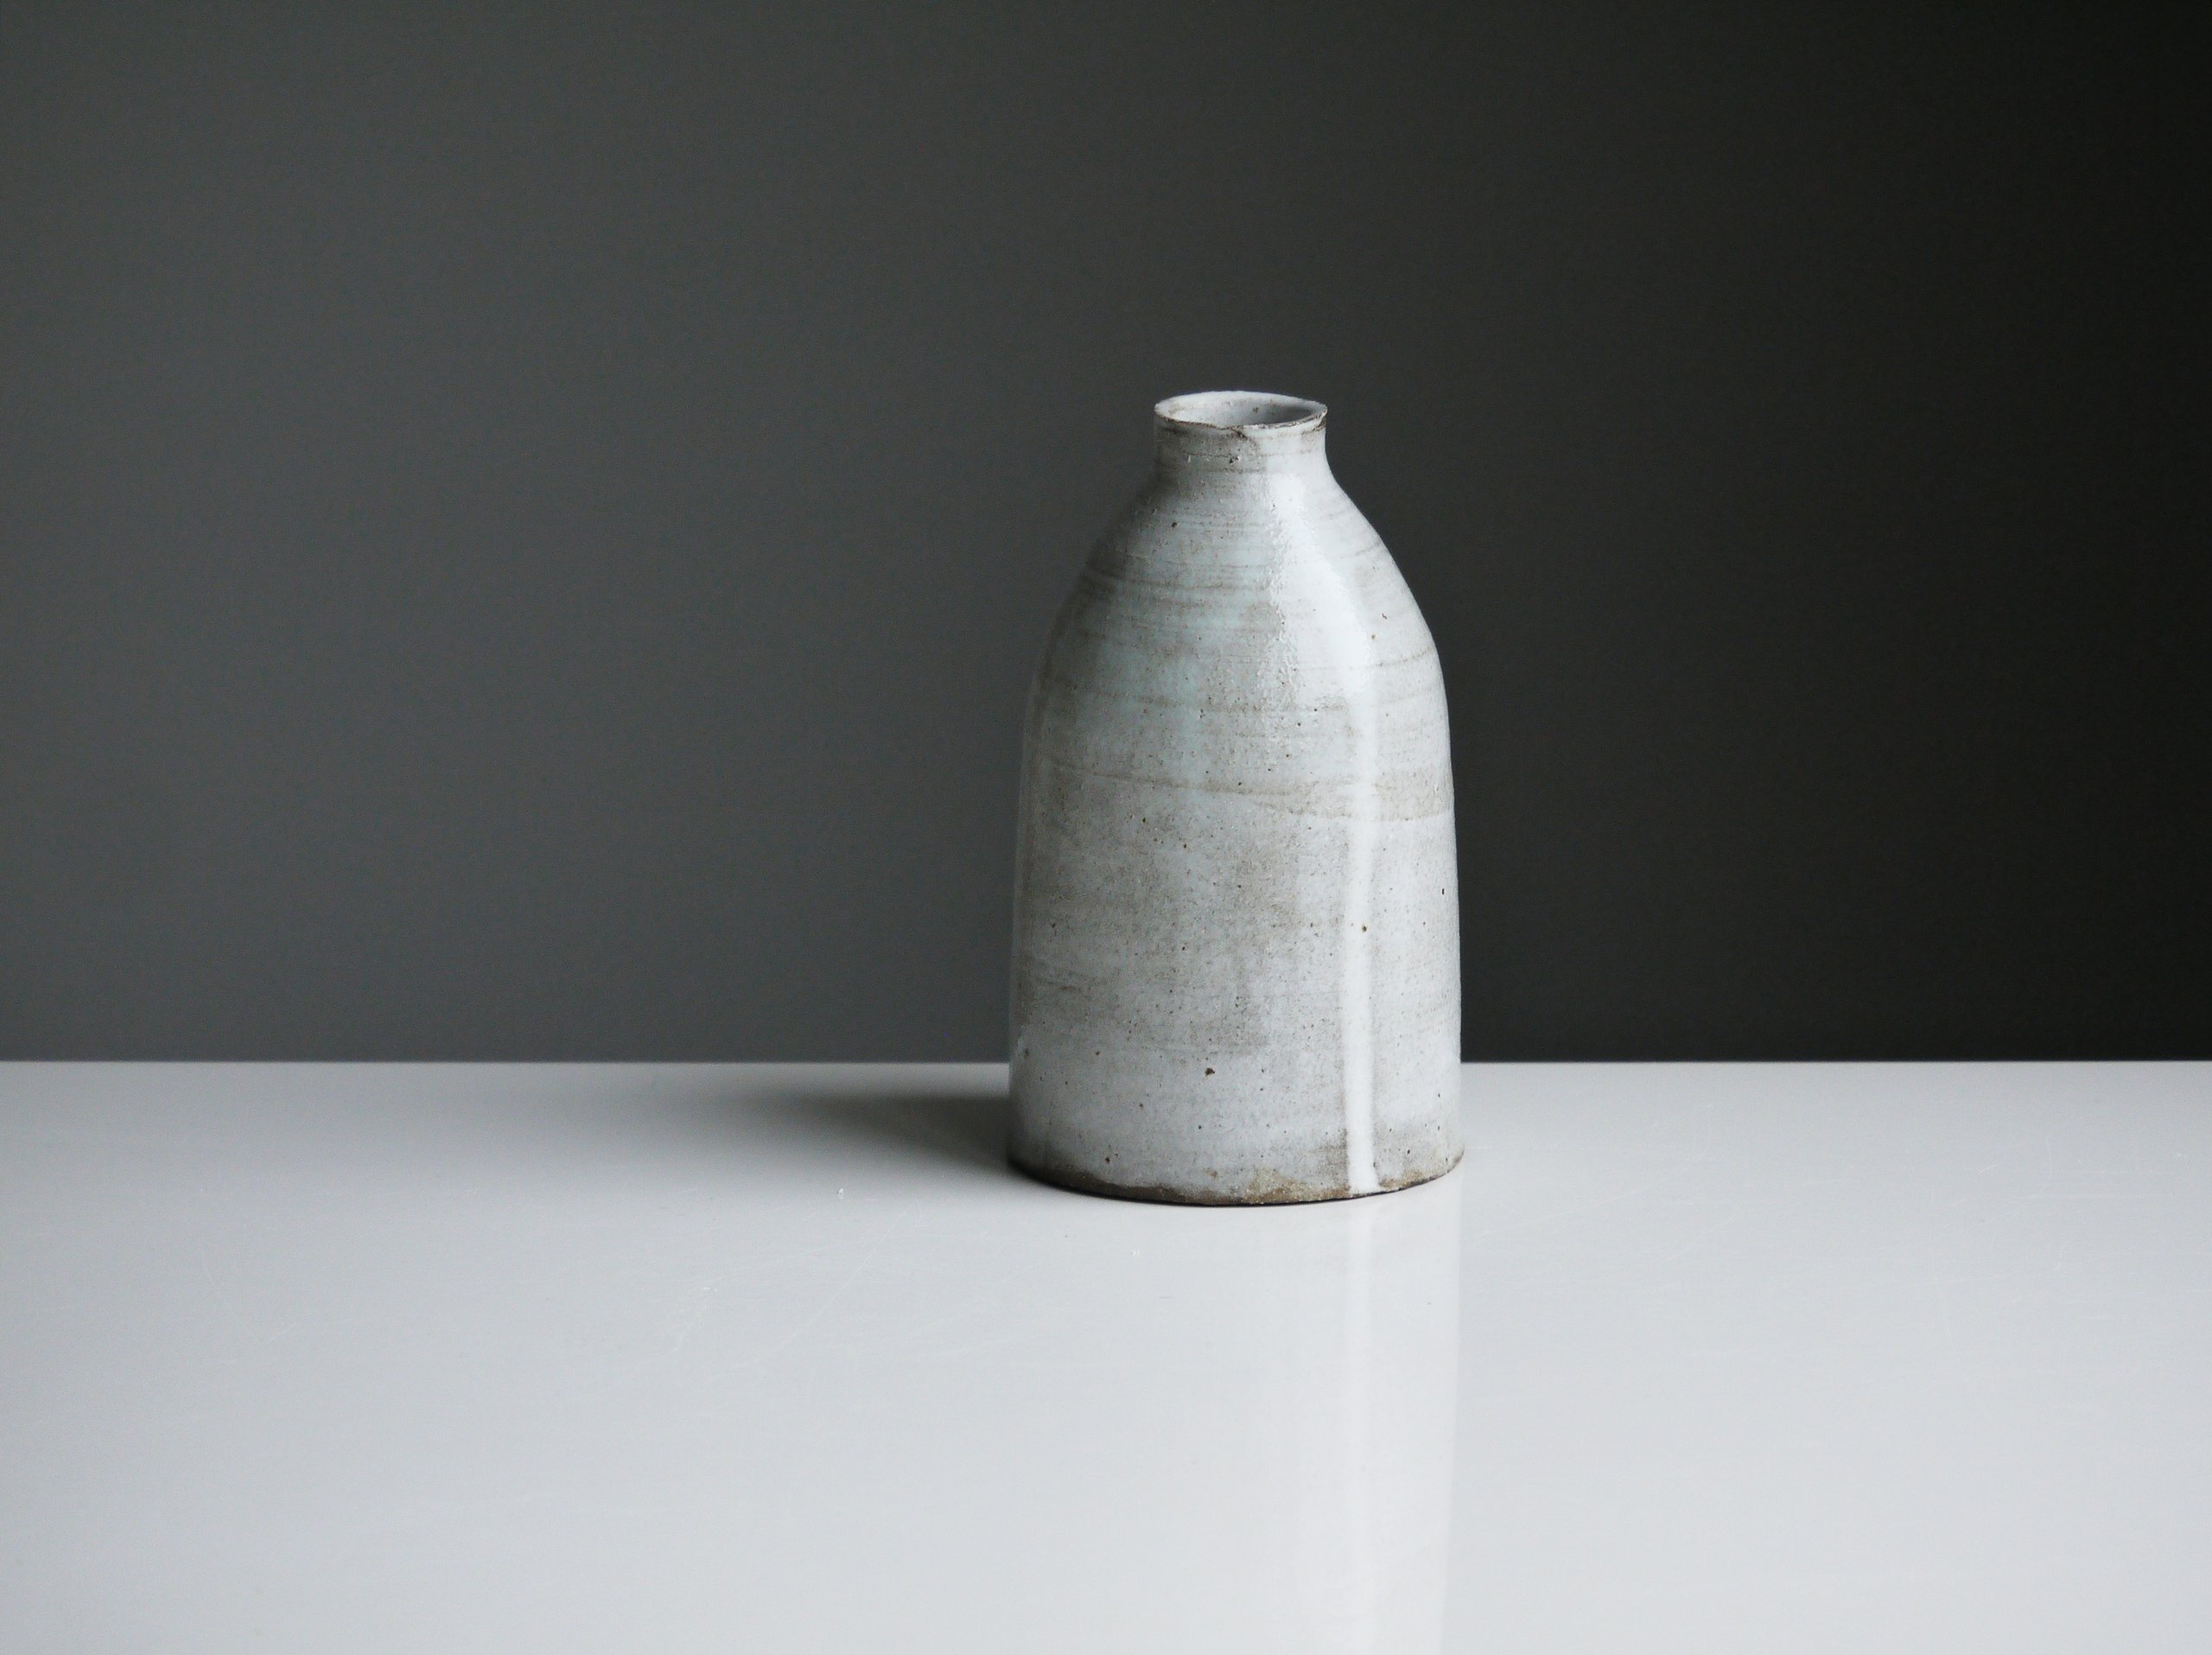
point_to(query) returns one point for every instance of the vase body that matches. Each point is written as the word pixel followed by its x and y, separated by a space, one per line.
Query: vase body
pixel 1236 941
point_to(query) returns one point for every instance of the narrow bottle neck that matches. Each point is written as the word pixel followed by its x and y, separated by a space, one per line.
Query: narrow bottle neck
pixel 1239 449
pixel 1240 431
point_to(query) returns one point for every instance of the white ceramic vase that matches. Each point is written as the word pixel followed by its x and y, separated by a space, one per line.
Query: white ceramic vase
pixel 1236 938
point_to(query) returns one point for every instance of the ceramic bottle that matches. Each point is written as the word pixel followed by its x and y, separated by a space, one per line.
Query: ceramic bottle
pixel 1236 949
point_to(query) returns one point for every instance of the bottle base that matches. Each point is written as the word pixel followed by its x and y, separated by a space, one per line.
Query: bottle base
pixel 1266 1190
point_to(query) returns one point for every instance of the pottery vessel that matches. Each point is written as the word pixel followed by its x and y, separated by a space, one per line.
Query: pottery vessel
pixel 1236 938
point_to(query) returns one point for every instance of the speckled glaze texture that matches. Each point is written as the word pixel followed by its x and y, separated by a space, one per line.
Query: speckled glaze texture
pixel 1236 940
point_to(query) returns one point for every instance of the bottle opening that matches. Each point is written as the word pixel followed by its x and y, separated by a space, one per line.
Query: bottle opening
pixel 1240 411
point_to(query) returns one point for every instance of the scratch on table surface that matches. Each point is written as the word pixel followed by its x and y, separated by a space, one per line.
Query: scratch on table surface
pixel 834 1294
pixel 706 1290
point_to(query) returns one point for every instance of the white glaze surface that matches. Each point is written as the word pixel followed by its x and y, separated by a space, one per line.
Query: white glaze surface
pixel 1236 962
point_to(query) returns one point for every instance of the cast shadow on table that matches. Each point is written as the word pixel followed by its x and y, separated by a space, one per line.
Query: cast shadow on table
pixel 955 1125
pixel 590 1122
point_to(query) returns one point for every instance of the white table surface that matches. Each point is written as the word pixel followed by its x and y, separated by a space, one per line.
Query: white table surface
pixel 423 1357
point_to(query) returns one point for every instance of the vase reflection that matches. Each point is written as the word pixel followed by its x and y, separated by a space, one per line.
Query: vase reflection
pixel 1255 1423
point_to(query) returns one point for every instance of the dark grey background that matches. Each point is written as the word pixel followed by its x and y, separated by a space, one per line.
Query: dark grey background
pixel 523 532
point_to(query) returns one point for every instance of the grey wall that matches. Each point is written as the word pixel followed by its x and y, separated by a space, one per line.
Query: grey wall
pixel 523 531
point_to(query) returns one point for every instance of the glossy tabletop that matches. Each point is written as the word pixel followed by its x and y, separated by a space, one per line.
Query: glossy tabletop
pixel 561 1358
